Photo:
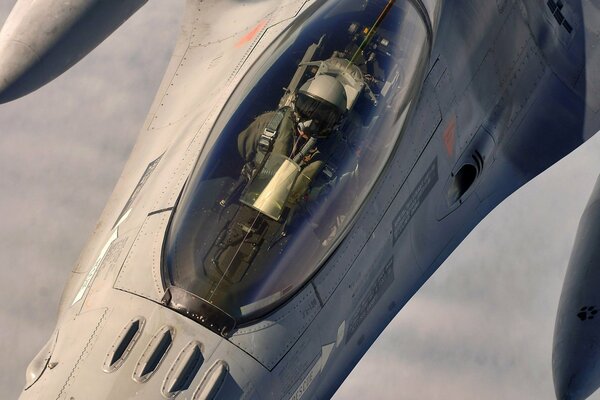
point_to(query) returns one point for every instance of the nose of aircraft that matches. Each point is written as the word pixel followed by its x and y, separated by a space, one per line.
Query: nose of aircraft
pixel 575 369
pixel 15 59
pixel 32 44
pixel 41 39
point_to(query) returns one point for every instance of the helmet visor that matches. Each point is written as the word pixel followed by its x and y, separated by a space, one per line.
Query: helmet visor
pixel 324 114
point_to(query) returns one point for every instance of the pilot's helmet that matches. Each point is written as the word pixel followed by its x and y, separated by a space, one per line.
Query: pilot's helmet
pixel 323 100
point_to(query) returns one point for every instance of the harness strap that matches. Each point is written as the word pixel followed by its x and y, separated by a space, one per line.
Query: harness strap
pixel 267 138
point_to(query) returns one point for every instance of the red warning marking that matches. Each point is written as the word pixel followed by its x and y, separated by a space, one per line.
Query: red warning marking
pixel 450 137
pixel 252 34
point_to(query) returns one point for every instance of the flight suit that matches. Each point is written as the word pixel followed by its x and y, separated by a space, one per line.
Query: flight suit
pixel 287 143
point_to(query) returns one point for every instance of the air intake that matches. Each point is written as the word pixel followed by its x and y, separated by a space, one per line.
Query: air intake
pixel 461 182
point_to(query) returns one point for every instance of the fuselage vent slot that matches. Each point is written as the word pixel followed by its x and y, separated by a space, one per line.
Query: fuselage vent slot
pixel 183 371
pixel 154 354
pixel 122 346
pixel 212 381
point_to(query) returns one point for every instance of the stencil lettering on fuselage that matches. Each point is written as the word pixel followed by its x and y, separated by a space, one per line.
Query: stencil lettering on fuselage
pixel 419 193
pixel 373 295
pixel 317 368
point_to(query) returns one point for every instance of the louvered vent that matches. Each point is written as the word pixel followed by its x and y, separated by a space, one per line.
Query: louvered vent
pixel 184 370
pixel 154 354
pixel 212 381
pixel 123 345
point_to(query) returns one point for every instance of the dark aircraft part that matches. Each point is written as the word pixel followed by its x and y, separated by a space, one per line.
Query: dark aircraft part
pixel 64 33
pixel 461 182
pixel 199 310
pixel 467 171
pixel 576 352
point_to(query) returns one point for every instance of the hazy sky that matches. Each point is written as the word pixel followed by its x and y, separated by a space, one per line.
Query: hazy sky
pixel 481 328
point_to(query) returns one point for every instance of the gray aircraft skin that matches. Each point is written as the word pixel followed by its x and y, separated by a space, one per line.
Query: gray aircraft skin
pixel 576 332
pixel 449 108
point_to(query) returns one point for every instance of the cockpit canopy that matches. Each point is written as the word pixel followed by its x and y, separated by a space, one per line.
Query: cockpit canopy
pixel 288 170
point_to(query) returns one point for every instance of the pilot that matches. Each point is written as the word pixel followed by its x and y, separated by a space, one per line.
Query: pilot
pixel 297 131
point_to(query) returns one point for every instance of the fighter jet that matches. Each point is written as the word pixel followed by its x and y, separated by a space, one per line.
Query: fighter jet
pixel 306 166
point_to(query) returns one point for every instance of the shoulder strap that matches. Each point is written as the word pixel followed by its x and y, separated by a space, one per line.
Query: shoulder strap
pixel 267 138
